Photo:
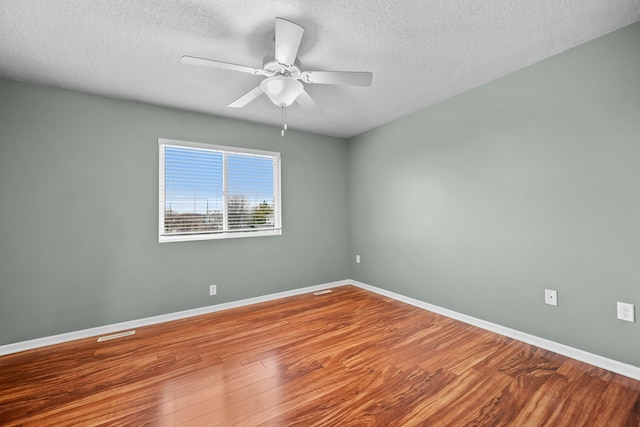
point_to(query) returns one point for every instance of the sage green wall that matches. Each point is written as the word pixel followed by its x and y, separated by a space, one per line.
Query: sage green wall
pixel 79 206
pixel 529 182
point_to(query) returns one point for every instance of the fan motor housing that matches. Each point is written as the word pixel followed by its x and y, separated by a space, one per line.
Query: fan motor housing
pixel 270 64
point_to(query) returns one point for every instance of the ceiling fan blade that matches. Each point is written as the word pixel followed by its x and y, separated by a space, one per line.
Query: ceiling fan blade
pixel 219 64
pixel 352 78
pixel 288 37
pixel 246 98
pixel 307 103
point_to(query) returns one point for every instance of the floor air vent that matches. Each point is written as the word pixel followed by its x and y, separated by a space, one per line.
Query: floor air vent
pixel 114 336
pixel 326 291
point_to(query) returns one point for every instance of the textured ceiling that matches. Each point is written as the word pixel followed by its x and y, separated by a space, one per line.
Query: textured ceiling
pixel 420 52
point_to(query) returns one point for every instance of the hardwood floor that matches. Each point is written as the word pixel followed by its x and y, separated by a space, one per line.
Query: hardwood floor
pixel 348 358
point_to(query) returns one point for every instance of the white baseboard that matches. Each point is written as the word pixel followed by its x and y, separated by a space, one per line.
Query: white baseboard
pixel 116 327
pixel 574 353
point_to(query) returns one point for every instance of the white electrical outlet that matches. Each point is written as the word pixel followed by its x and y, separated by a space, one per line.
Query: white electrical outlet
pixel 213 289
pixel 625 312
pixel 550 297
pixel 357 259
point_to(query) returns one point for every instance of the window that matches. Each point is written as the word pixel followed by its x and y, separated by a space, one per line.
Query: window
pixel 213 192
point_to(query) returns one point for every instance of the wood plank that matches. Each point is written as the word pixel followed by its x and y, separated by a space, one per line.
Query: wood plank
pixel 345 358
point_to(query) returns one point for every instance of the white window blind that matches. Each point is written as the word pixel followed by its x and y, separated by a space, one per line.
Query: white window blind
pixel 213 192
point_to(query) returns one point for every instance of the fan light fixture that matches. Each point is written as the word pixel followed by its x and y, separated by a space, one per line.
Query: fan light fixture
pixel 281 90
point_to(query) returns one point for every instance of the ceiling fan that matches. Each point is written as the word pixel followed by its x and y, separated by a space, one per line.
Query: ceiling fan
pixel 283 82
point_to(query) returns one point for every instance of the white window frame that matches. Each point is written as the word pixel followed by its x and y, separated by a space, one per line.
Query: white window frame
pixel 226 234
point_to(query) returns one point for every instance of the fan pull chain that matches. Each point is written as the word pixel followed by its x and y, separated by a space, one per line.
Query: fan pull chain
pixel 284 120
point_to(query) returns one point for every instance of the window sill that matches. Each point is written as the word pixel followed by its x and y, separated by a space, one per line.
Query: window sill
pixel 216 236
